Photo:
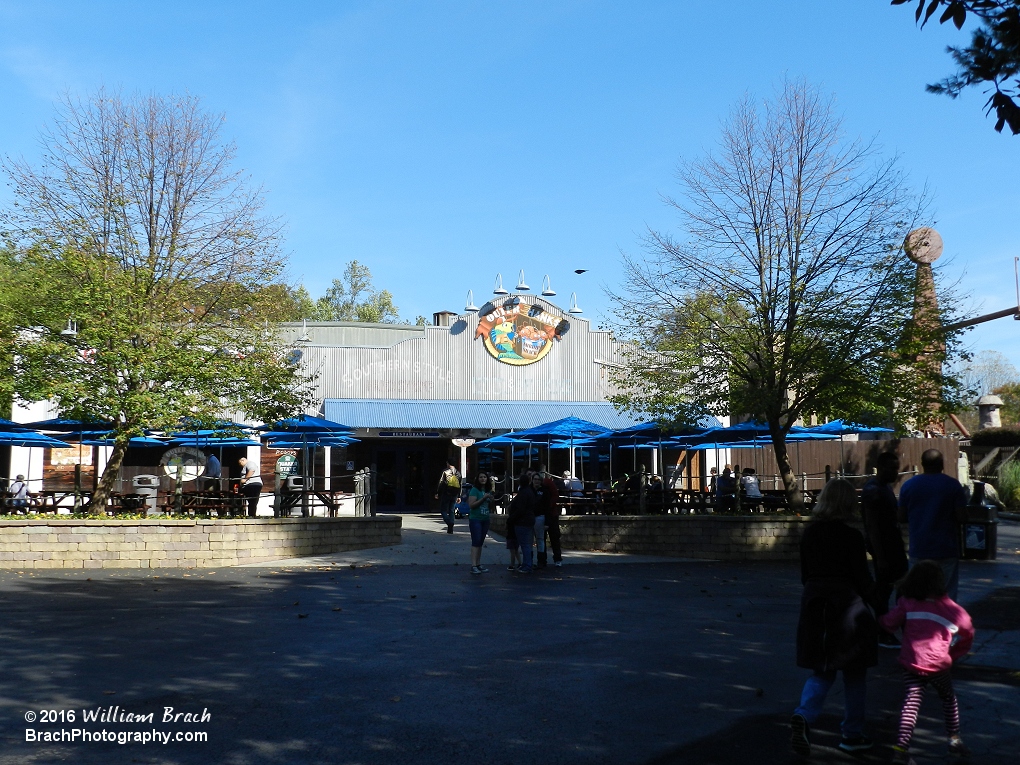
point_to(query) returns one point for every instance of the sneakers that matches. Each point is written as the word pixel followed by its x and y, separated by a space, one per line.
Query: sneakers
pixel 902 757
pixel 483 569
pixel 558 563
pixel 799 736
pixel 855 743
pixel 511 567
pixel 476 569
pixel 957 748
pixel 523 570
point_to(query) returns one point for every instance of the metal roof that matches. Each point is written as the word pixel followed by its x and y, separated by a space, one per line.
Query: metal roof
pixel 348 334
pixel 493 415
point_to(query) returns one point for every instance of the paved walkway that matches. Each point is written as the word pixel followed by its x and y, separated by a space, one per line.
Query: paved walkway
pixel 424 542
pixel 644 664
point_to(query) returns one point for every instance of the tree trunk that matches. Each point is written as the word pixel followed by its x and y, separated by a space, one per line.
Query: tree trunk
pixel 98 504
pixel 794 493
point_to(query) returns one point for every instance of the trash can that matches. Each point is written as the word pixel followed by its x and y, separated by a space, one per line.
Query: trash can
pixel 980 535
pixel 147 486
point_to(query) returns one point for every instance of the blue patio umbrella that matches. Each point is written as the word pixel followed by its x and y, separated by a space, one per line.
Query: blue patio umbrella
pixel 306 423
pixel 66 425
pixel 29 439
pixel 317 440
pixel 310 429
pixel 839 428
pixel 568 427
pixel 137 441
pixel 212 442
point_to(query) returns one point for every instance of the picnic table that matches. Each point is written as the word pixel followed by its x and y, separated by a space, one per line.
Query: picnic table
pixel 304 498
pixel 52 500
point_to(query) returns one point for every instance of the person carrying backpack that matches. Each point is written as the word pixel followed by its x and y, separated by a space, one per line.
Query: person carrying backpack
pixel 447 492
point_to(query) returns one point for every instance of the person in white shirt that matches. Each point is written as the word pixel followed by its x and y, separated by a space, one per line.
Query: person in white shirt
pixel 752 489
pixel 251 484
pixel 19 492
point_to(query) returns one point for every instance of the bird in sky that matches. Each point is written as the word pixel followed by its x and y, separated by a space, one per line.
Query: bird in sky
pixel 580 270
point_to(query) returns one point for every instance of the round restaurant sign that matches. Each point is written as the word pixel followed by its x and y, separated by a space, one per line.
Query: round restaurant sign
pixel 187 461
pixel 516 332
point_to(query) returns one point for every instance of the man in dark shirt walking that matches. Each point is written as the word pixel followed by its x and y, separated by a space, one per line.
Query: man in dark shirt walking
pixel 882 532
pixel 935 505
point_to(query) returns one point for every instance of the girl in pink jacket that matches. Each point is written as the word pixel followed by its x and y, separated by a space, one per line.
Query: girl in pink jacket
pixel 936 632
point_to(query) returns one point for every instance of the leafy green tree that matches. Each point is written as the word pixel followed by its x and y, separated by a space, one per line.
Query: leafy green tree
pixel 353 298
pixel 790 293
pixel 1010 395
pixel 135 228
pixel 8 333
pixel 992 58
pixel 290 303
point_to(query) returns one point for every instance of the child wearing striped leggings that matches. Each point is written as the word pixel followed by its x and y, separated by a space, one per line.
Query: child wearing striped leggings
pixel 936 632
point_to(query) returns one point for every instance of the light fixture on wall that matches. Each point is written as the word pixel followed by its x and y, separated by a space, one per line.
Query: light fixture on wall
pixel 521 285
pixel 469 305
pixel 547 289
pixel 70 331
pixel 573 304
pixel 498 289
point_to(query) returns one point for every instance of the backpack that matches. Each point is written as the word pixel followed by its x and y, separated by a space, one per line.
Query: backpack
pixel 452 480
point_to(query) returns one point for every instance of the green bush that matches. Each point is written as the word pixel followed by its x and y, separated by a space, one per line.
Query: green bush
pixel 1009 436
pixel 1008 484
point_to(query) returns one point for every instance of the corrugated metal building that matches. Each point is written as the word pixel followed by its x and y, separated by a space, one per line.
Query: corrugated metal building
pixel 408 391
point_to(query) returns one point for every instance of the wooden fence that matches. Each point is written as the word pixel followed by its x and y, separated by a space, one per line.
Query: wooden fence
pixel 852 458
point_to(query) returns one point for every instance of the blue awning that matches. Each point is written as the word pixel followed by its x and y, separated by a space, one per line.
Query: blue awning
pixel 405 414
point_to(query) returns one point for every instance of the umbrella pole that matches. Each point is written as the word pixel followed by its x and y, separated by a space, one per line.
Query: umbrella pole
pixel 304 475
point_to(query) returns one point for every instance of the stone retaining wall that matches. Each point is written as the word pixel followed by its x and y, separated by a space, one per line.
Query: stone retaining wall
pixel 719 537
pixel 77 543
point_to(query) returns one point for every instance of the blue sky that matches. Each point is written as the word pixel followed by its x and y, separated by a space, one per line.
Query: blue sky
pixel 440 143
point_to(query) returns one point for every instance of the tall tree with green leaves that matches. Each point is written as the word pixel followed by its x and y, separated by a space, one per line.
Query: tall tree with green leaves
pixel 147 274
pixel 353 298
pixel 788 292
pixel 991 60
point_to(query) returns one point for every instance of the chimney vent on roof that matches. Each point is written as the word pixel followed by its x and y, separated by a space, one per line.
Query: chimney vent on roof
pixel 443 318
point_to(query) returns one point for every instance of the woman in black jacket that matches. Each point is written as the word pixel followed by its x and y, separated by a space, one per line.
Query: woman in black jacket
pixel 521 515
pixel 837 630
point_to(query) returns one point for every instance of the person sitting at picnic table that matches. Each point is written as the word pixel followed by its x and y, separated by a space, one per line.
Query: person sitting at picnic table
pixel 19 492
pixel 752 489
pixel 725 489
pixel 572 486
pixel 213 471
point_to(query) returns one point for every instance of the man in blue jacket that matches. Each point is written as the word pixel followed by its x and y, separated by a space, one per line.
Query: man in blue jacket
pixel 934 505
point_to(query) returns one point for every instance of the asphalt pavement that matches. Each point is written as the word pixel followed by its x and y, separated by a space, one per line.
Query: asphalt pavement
pixel 406 657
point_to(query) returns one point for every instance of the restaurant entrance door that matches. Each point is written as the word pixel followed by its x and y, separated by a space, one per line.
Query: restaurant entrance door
pixel 401 479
